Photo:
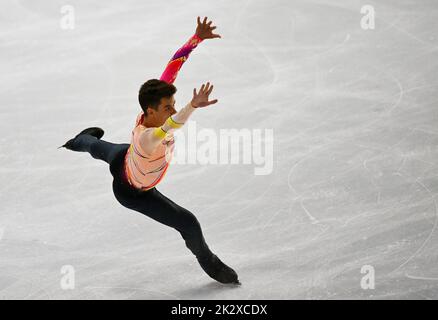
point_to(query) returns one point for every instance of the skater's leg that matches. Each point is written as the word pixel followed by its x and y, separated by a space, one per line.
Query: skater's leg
pixel 165 211
pixel 155 205
pixel 160 208
pixel 97 148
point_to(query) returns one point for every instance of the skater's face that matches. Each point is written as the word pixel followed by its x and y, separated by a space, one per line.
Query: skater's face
pixel 166 108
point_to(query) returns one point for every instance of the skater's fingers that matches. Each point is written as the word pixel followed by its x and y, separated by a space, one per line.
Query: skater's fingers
pixel 212 28
pixel 207 87
pixel 194 92
pixel 215 35
pixel 201 90
pixel 205 20
pixel 212 101
pixel 210 90
pixel 199 20
pixel 208 24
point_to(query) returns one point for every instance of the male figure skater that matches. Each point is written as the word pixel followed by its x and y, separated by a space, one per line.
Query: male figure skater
pixel 139 166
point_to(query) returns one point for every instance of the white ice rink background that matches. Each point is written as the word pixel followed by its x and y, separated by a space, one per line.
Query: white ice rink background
pixel 355 176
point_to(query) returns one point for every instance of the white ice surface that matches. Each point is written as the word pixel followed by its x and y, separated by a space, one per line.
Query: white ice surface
pixel 354 114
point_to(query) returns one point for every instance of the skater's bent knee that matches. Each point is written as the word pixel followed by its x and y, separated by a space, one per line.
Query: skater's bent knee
pixel 191 224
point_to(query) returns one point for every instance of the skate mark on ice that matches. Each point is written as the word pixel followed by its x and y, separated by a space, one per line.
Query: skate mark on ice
pixel 430 234
pixel 420 278
pixel 312 218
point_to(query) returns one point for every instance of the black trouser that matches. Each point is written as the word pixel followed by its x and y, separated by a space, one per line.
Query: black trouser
pixel 151 203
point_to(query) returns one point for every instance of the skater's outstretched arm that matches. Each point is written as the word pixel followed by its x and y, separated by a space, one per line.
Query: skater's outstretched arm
pixel 204 31
pixel 152 137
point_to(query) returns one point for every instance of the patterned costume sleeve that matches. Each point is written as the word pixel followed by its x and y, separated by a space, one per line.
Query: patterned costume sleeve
pixel 150 139
pixel 178 59
pixel 174 65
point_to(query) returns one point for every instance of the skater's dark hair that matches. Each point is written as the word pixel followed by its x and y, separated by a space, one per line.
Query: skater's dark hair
pixel 152 91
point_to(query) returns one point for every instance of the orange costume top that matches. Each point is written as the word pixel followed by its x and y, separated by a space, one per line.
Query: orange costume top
pixel 151 149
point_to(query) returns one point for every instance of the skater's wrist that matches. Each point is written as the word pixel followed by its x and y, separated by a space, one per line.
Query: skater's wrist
pixel 196 38
pixel 183 115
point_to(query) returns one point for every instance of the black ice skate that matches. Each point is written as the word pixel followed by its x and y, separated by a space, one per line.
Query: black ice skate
pixel 93 131
pixel 218 270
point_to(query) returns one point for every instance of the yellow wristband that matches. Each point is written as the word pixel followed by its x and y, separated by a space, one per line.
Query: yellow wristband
pixel 171 123
pixel 159 133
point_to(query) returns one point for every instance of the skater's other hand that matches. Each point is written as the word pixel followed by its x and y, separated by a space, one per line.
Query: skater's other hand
pixel 204 30
pixel 200 99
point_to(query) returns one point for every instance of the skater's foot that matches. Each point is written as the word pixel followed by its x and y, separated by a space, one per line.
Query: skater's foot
pixel 93 131
pixel 218 270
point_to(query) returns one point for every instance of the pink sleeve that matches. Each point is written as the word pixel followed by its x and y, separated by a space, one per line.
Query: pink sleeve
pixel 178 59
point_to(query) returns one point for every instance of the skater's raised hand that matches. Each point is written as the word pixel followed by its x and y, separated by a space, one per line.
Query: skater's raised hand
pixel 204 30
pixel 200 99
